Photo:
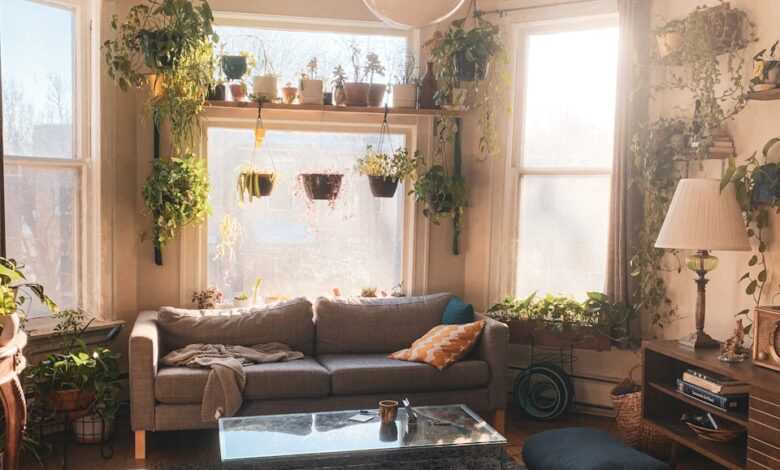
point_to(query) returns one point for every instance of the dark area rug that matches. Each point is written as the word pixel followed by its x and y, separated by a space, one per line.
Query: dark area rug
pixel 440 464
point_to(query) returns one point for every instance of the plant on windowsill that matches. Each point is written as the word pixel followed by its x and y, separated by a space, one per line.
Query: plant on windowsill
pixel 757 184
pixel 208 299
pixel 15 292
pixel 384 171
pixel 562 321
pixel 176 195
pixel 339 79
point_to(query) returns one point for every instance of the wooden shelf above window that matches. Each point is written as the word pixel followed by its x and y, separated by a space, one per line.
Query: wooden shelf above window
pixel 767 95
pixel 333 109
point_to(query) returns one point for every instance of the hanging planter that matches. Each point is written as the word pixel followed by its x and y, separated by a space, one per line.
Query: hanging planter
pixel 321 186
pixel 469 70
pixel 255 184
pixel 383 186
pixel 234 66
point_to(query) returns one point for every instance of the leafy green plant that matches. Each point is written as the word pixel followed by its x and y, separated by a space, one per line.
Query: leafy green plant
pixel 339 77
pixel 401 165
pixel 757 185
pixel 71 325
pixel 241 297
pixel 16 291
pixel 441 194
pixel 176 194
pixel 373 67
pixel 256 289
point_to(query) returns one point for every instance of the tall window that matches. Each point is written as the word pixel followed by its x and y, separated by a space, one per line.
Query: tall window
pixel 300 247
pixel 565 158
pixel 47 145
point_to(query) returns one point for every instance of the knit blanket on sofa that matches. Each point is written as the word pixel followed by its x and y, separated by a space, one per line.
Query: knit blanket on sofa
pixel 223 394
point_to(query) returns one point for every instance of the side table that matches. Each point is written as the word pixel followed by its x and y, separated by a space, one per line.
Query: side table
pixel 12 362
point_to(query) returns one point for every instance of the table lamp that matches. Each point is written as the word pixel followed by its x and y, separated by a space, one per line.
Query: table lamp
pixel 703 218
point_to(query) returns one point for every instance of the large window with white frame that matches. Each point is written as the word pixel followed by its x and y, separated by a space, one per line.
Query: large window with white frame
pixel 563 156
pixel 49 171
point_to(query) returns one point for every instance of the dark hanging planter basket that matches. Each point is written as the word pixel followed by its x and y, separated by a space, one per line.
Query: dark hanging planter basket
pixel 382 186
pixel 162 48
pixel 321 186
pixel 767 184
pixel 469 71
pixel 216 93
pixel 266 184
pixel 234 66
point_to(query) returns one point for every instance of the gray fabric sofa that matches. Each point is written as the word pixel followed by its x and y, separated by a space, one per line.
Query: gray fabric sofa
pixel 346 342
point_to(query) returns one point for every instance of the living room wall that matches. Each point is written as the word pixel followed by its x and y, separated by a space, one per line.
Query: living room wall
pixel 750 129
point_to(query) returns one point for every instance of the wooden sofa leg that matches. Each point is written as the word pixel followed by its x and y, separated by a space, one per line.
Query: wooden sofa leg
pixel 140 445
pixel 499 421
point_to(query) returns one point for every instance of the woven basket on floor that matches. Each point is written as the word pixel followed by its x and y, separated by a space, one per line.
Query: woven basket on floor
pixel 627 401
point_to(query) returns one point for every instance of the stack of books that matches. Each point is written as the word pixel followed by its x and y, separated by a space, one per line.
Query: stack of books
pixel 714 389
pixel 722 145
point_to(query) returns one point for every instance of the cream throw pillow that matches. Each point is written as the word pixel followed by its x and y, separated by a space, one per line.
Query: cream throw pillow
pixel 443 345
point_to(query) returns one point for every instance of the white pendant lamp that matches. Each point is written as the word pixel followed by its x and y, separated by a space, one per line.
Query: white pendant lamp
pixel 413 13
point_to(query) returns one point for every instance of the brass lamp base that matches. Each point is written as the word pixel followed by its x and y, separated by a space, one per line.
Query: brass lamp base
pixel 699 340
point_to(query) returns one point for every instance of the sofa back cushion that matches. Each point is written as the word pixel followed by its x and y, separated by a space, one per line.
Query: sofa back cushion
pixel 359 325
pixel 288 322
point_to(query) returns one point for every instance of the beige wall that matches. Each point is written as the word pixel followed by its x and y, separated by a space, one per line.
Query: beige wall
pixel 756 124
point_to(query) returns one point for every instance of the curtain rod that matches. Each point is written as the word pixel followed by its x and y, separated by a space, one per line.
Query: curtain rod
pixel 503 11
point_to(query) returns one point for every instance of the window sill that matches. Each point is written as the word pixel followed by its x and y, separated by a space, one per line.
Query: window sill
pixel 42 339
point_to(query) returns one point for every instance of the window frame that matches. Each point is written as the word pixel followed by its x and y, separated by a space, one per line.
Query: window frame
pixel 86 150
pixel 515 168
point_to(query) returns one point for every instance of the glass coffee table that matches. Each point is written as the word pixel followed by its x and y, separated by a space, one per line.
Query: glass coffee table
pixel 337 440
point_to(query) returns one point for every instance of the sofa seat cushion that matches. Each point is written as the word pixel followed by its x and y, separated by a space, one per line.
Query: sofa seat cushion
pixel 304 378
pixel 353 374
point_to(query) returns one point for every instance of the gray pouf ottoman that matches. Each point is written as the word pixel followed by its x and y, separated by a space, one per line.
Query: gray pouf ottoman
pixel 584 449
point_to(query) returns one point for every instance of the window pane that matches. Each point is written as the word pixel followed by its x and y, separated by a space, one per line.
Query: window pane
pixel 570 99
pixel 562 234
pixel 42 210
pixel 38 79
pixel 291 51
pixel 300 250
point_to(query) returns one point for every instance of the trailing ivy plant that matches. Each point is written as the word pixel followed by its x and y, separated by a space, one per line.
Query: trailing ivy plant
pixel 655 149
pixel 757 185
pixel 176 194
pixel 442 195
pixel 169 45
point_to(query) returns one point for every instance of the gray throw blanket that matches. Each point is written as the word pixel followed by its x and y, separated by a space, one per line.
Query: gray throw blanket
pixel 223 395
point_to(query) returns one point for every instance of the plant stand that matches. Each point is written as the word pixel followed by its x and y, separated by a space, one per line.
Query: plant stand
pixel 62 421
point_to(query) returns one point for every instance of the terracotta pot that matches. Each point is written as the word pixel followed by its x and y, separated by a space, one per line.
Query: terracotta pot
pixel 321 186
pixel 265 87
pixel 357 93
pixel 70 400
pixel 382 186
pixel 376 95
pixel 289 93
pixel 310 92
pixel 10 326
pixel 238 91
pixel 405 96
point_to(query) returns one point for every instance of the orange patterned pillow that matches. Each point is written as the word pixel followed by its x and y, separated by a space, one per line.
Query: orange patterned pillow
pixel 443 345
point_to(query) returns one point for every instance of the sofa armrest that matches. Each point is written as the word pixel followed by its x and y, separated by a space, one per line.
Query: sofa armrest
pixel 494 349
pixel 143 356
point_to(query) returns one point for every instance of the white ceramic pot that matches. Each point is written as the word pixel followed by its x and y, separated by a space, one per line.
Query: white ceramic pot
pixel 265 86
pixel 92 429
pixel 10 325
pixel 405 96
pixel 310 92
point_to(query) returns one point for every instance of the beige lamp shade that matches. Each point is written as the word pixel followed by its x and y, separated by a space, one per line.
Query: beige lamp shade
pixel 702 217
pixel 413 13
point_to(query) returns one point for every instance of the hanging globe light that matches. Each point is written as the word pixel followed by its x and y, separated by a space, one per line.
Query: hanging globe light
pixel 413 13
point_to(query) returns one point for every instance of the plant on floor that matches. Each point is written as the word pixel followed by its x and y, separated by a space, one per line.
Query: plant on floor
pixel 757 184
pixel 462 59
pixel 176 195
pixel 168 44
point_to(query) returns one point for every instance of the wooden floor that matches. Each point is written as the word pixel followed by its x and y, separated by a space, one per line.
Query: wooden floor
pixel 202 446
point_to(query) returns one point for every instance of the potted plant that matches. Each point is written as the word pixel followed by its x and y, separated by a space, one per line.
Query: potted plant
pixel 310 86
pixel 405 92
pixel 176 194
pixel 289 93
pixel 442 195
pixel 356 91
pixel 321 186
pixel 376 91
pixel 97 426
pixel 265 86
pixel 235 66
pixel 669 37
pixel 338 81
pixel 384 172
pixel 15 291
pixel 766 68
pixel 254 183
pixel 466 55
pixel 241 300
pixel 207 299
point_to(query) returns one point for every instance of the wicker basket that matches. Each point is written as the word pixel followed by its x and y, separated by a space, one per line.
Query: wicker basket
pixel 627 401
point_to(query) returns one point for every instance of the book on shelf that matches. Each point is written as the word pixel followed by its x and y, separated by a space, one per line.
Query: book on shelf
pixel 715 383
pixel 724 402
